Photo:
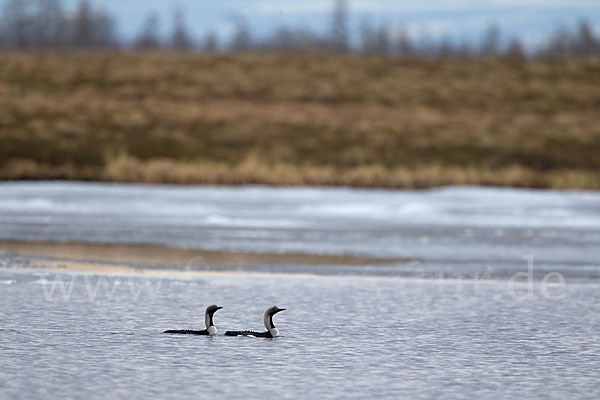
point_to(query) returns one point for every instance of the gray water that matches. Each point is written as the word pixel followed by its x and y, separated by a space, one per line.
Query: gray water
pixel 459 324
pixel 342 337
pixel 461 232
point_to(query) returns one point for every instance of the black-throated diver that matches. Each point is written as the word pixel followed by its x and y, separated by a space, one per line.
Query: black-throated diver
pixel 210 330
pixel 271 332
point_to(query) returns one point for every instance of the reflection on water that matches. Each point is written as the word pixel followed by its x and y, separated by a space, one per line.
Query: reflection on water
pixel 342 337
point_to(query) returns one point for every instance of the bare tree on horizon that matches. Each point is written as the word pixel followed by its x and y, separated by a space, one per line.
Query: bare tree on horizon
pixel 16 25
pixel 181 39
pixel 148 38
pixel 339 27
pixel 241 39
pixel 32 25
pixel 490 45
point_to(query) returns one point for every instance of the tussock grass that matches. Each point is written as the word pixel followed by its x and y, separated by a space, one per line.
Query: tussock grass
pixel 299 119
pixel 252 171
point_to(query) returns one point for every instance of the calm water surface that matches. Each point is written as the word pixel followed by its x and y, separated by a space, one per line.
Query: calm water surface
pixel 440 328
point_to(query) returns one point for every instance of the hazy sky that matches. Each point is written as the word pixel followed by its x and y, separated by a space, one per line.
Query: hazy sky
pixel 532 20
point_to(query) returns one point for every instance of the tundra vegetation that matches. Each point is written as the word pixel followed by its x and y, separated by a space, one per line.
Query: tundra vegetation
pixel 294 108
pixel 294 119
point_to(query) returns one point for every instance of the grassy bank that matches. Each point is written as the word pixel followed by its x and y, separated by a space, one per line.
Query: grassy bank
pixel 293 120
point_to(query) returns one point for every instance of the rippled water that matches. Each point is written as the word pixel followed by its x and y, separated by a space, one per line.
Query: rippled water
pixel 342 337
pixel 439 328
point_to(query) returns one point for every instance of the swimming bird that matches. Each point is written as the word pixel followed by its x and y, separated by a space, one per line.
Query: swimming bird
pixel 272 331
pixel 210 330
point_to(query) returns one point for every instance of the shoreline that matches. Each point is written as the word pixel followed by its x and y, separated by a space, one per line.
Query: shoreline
pixel 170 171
pixel 33 260
pixel 145 257
pixel 122 270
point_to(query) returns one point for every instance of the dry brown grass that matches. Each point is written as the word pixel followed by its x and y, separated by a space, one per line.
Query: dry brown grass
pixel 299 119
pixel 252 171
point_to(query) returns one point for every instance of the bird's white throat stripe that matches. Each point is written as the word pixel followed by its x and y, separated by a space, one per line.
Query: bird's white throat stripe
pixel 267 320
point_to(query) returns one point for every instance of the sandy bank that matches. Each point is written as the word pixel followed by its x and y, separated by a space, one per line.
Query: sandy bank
pixel 90 256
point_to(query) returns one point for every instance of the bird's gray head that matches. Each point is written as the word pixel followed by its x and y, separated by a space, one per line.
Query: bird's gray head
pixel 269 316
pixel 274 310
pixel 212 309
pixel 208 316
